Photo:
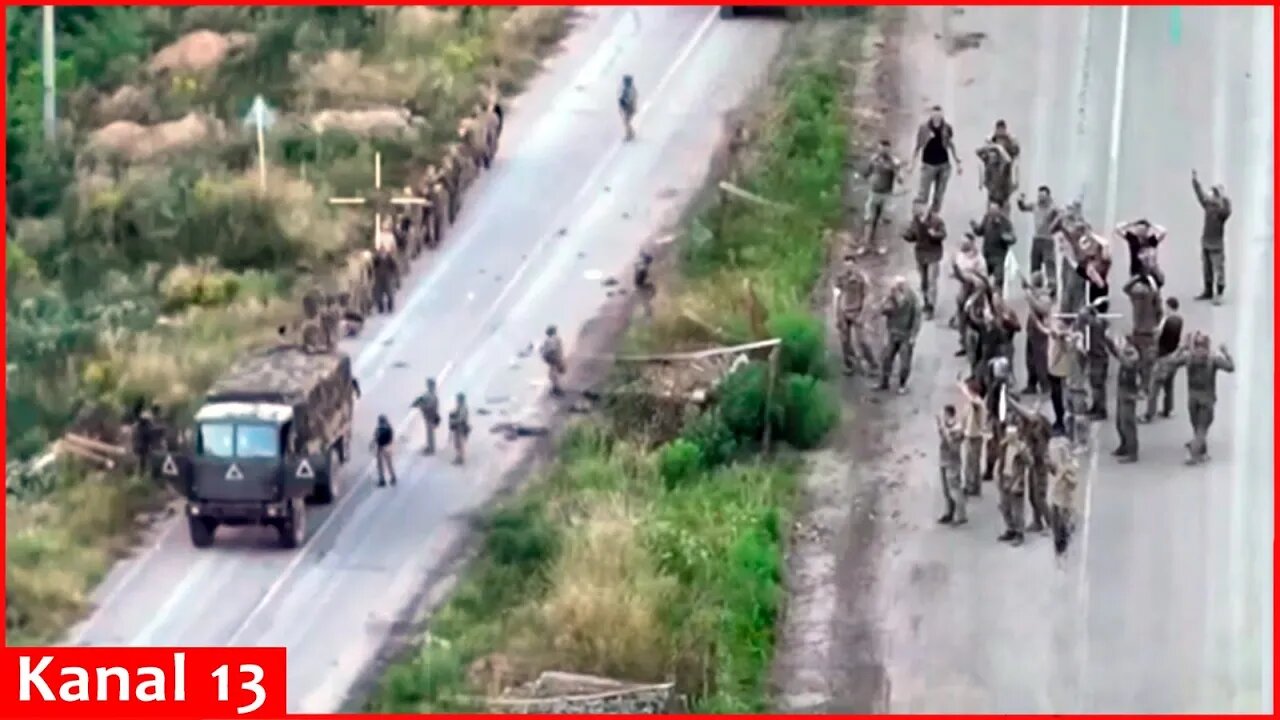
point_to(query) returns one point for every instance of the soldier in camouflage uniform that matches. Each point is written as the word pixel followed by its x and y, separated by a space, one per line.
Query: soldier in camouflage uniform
pixel 1014 462
pixel 901 311
pixel 1128 388
pixel 883 173
pixel 450 175
pixel 1064 470
pixel 384 280
pixel 996 176
pixel 552 352
pixel 428 403
pixel 997 235
pixel 1072 357
pixel 1144 294
pixel 850 298
pixel 1202 367
pixel 1037 432
pixel 975 436
pixel 1069 232
pixel 951 435
pixel 926 233
pixel 1213 248
pixel 645 289
pixel 460 429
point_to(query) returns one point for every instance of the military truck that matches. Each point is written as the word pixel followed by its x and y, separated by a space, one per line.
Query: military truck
pixel 270 437
pixel 788 12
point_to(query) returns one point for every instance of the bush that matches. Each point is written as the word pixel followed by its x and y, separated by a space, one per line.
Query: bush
pixel 742 402
pixel 809 411
pixel 679 461
pixel 521 537
pixel 713 437
pixel 804 345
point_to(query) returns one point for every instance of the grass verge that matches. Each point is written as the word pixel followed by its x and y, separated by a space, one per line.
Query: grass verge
pixel 652 559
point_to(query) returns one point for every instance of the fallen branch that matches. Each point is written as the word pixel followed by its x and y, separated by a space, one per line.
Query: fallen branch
pixel 700 354
pixel 752 197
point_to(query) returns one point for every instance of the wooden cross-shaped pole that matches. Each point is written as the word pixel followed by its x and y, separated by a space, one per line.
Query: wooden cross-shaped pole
pixel 377 186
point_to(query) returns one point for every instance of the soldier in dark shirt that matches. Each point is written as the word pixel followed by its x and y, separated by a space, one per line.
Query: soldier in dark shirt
pixel 1168 340
pixel 382 437
pixel 927 233
pixel 1140 236
pixel 935 149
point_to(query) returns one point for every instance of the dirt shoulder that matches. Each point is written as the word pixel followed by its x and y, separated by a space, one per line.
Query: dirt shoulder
pixel 830 658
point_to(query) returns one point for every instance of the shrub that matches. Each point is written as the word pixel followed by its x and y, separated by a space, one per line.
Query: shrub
pixel 521 537
pixel 679 461
pixel 742 402
pixel 713 437
pixel 804 348
pixel 809 411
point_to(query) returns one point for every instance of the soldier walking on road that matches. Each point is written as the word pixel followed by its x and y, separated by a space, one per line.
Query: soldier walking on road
pixel 901 311
pixel 382 437
pixel 935 150
pixel 1202 389
pixel 1039 312
pixel 970 272
pixel 384 278
pixel 553 355
pixel 883 174
pixel 645 289
pixel 950 435
pixel 1014 462
pixel 1064 471
pixel 975 436
pixel 428 403
pixel 997 174
pixel 627 102
pixel 927 233
pixel 850 298
pixel 1128 387
pixel 1072 364
pixel 1036 433
pixel 1213 247
pixel 997 235
pixel 1168 340
pixel 1045 217
pixel 460 429
pixel 1144 294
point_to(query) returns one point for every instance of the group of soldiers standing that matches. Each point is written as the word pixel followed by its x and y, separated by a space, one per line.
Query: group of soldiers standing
pixel 1069 343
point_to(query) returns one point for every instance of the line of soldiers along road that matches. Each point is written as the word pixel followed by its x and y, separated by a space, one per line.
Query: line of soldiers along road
pixel 373 276
pixel 997 431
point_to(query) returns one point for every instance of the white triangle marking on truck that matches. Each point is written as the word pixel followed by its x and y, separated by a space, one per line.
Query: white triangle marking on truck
pixel 170 467
pixel 233 473
pixel 304 470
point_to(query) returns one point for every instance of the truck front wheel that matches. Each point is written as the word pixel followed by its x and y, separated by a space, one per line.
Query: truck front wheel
pixel 293 527
pixel 202 530
pixel 327 489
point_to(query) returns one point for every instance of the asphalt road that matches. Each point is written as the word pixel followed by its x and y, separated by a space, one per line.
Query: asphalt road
pixel 565 205
pixel 1165 602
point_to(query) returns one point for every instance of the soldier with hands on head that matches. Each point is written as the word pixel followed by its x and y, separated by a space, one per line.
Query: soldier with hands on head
pixel 901 311
pixel 996 231
pixel 428 403
pixel 927 233
pixel 1014 463
pixel 975 435
pixel 950 436
pixel 1203 366
pixel 883 173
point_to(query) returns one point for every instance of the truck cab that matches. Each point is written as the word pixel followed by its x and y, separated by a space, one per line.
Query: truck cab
pixel 265 444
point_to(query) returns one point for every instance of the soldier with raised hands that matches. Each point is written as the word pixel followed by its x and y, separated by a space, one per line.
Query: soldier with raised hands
pixel 1203 366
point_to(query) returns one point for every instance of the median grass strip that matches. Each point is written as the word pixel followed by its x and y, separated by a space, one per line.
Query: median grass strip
pixel 650 559
pixel 142 257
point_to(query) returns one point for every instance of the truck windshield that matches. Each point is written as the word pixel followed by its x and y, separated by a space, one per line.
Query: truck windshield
pixel 217 440
pixel 234 440
pixel 257 441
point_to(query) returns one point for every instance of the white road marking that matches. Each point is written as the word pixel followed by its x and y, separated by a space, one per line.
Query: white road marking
pixel 605 163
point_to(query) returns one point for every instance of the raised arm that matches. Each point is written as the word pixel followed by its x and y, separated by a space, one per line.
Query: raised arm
pixel 1199 190
pixel 1222 361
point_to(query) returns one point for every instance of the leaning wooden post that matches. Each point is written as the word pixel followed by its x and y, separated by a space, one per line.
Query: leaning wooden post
pixel 770 378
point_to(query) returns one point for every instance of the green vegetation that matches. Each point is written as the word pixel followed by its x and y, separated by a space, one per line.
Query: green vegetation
pixel 142 255
pixel 648 560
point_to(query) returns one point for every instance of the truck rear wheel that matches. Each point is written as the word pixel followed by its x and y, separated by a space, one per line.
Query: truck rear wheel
pixel 202 530
pixel 293 527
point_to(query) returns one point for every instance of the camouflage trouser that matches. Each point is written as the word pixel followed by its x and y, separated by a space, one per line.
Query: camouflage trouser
pixel 1099 367
pixel 933 185
pixel 1063 524
pixel 953 493
pixel 928 269
pixel 973 465
pixel 1127 425
pixel 430 423
pixel 1201 412
pixel 1146 346
pixel 1044 259
pixel 1213 264
pixel 459 438
pixel 1038 484
pixel 1161 393
pixel 1078 408
pixel 995 270
pixel 1013 510
pixel 853 343
pixel 901 349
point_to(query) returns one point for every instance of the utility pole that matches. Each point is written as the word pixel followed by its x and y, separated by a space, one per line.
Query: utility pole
pixel 50 107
